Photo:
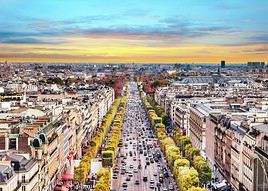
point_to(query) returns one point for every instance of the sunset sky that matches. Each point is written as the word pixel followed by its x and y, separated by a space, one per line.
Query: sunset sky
pixel 140 31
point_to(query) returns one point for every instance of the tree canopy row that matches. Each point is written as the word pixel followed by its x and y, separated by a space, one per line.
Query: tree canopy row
pixel 84 167
pixel 187 166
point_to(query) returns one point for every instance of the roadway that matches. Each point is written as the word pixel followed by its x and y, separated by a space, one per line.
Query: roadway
pixel 136 135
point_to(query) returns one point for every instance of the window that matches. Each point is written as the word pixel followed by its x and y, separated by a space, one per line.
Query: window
pixel 23 178
pixel 12 143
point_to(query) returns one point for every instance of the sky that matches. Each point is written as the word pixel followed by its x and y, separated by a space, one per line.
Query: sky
pixel 139 31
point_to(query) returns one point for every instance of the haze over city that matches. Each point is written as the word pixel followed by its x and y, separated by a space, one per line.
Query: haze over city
pixel 152 31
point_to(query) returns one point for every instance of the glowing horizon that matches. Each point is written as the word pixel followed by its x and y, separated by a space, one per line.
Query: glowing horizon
pixel 134 31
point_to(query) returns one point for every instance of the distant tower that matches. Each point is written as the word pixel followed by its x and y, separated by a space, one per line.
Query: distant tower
pixel 6 62
pixel 219 70
pixel 223 64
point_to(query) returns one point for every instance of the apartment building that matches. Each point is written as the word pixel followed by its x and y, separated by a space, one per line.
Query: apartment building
pixel 182 115
pixel 226 119
pixel 58 129
pixel 236 140
pixel 261 165
pixel 24 166
pixel 8 178
pixel 197 122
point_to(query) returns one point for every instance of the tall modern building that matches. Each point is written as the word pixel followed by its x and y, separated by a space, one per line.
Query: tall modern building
pixel 223 64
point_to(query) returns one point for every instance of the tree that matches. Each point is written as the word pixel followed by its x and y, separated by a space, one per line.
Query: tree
pixel 107 158
pixel 180 163
pixel 165 119
pixel 157 120
pixel 187 178
pixel 80 173
pixel 196 189
pixel 191 152
pixel 176 135
pixel 183 142
pixel 159 125
pixel 203 169
pixel 172 154
pixel 103 180
pixel 100 187
pixel 166 142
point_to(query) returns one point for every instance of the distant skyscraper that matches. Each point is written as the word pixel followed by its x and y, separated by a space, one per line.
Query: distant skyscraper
pixel 223 64
pixel 256 64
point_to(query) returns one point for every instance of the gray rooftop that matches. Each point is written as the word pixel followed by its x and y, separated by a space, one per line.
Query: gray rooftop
pixel 6 173
pixel 214 79
pixel 262 128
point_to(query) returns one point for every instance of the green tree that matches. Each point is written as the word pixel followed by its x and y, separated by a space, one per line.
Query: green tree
pixel 183 142
pixel 203 169
pixel 180 163
pixel 187 178
pixel 191 152
pixel 165 119
pixel 196 189
pixel 172 154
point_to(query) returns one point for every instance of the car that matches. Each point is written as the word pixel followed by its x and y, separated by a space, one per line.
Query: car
pixel 151 186
pixel 145 153
pixel 151 181
pixel 131 166
pixel 135 170
pixel 147 163
pixel 151 160
pixel 134 158
pixel 145 179
pixel 155 174
pixel 170 187
pixel 166 173
pixel 115 176
pixel 124 184
pixel 123 172
pixel 127 178
pixel 161 179
pixel 125 189
pixel 116 170
pixel 130 174
pixel 137 182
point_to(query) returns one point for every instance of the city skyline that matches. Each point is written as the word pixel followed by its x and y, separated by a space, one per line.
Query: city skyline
pixel 134 31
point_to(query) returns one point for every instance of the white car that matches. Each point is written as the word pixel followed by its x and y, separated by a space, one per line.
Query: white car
pixel 130 174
